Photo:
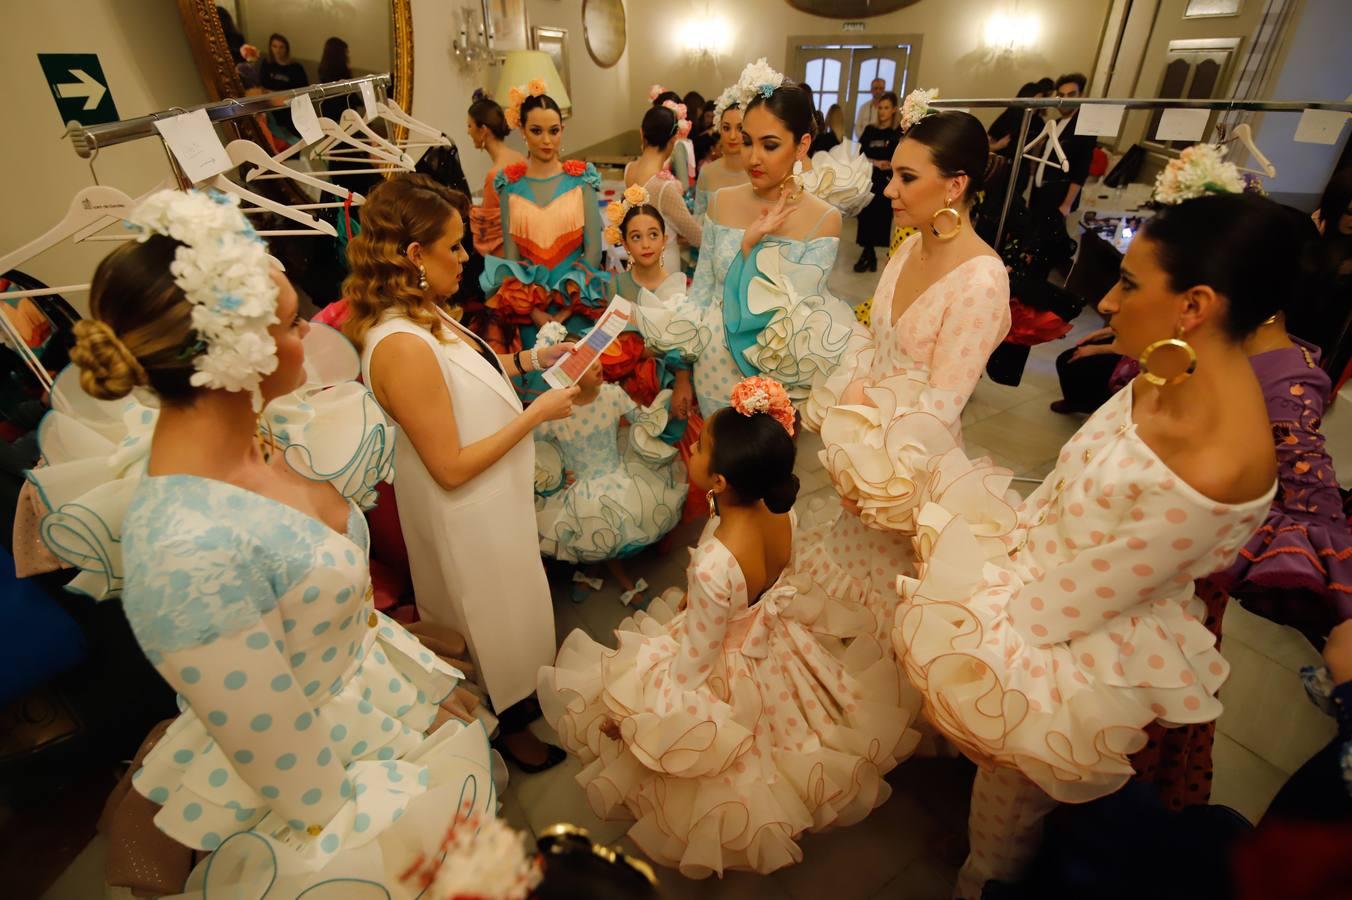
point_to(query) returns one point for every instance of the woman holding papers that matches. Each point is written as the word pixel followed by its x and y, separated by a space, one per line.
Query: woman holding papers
pixel 466 460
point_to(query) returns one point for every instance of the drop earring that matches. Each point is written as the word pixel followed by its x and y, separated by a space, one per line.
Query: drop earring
pixel 712 500
pixel 422 279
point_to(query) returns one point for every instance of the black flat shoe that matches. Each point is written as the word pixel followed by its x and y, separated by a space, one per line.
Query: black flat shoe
pixel 554 756
pixel 868 262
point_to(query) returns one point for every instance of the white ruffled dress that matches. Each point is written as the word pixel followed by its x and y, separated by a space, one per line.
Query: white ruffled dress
pixel 615 504
pixel 917 376
pixel 739 731
pixel 302 741
pixel 1047 637
pixel 843 177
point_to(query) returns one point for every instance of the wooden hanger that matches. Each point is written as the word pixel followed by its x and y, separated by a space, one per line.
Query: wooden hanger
pixel 1051 133
pixel 90 207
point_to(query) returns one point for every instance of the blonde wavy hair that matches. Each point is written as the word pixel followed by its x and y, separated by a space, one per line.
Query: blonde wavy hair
pixel 140 331
pixel 405 209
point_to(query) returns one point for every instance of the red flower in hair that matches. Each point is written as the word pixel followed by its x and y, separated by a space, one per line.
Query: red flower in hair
pixel 759 395
pixel 574 167
pixel 515 172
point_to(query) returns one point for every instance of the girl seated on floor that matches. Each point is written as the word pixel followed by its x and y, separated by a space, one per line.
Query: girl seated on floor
pixel 595 504
pixel 726 729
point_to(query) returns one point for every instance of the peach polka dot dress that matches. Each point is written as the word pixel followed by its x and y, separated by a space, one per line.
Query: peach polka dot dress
pixel 917 375
pixel 1047 637
pixel 738 730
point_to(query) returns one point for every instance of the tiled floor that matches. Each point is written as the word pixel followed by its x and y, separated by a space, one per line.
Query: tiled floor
pixel 911 846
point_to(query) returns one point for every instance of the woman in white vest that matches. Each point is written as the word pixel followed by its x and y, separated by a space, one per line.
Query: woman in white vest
pixel 465 462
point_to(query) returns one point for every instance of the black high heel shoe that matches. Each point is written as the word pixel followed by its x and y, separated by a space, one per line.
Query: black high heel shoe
pixel 868 261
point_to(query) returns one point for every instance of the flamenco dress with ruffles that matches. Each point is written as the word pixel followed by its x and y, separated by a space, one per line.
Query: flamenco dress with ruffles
pixel 1046 638
pixel 551 230
pixel 301 756
pixel 615 505
pixel 768 314
pixel 738 731
pixel 843 177
pixel 916 377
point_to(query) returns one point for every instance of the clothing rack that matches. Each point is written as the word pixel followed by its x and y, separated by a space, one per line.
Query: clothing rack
pixel 89 140
pixel 1028 104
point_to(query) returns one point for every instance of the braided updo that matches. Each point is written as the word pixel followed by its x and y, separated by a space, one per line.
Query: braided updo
pixel 140 332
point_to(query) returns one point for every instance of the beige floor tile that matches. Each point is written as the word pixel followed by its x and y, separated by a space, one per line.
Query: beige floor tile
pixel 1284 646
pixel 672 885
pixel 1243 781
pixel 1029 434
pixel 1267 711
pixel 551 797
pixel 925 879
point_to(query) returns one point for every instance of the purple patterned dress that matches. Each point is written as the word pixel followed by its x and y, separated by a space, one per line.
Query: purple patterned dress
pixel 1298 568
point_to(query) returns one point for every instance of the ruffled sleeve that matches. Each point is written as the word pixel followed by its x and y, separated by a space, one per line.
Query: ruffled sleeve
pixel 549 470
pixel 649 423
pixel 1052 656
pixel 712 578
pixel 974 325
pixel 843 177
pixel 485 220
pixel 677 325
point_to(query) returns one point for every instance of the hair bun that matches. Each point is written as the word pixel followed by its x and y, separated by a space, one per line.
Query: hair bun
pixel 108 370
pixel 780 498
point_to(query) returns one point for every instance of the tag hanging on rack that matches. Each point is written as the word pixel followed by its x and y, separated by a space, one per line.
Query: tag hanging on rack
pixel 368 99
pixel 195 144
pixel 306 120
pixel 1182 124
pixel 1101 119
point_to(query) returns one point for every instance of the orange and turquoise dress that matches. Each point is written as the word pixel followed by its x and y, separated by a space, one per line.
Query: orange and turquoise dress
pixel 551 229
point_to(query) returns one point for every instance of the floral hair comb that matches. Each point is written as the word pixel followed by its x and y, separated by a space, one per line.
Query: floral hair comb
pixel 758 79
pixel 758 395
pixel 1199 170
pixel 634 195
pixel 916 107
pixel 516 96
pixel 479 858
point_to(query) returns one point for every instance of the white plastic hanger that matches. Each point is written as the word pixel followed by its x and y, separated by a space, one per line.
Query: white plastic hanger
pixel 352 124
pixel 1244 134
pixel 1051 133
pixel 92 206
pixel 385 157
pixel 312 226
pixel 244 152
pixel 431 137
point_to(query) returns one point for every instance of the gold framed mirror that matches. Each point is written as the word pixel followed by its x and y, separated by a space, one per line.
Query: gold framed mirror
pixel 359 25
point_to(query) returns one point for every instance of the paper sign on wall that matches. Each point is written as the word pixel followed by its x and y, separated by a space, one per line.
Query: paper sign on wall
pixel 195 145
pixel 1103 119
pixel 368 97
pixel 305 118
pixel 1182 125
pixel 1320 126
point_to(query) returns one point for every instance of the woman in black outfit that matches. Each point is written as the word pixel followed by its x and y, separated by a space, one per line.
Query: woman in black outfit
pixel 878 142
pixel 279 72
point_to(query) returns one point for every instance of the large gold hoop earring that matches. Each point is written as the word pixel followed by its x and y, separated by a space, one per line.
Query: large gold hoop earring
pixel 712 499
pixel 1161 380
pixel 957 218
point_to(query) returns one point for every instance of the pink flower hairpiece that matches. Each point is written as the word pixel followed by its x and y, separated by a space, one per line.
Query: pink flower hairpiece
pixel 764 395
pixel 682 123
pixel 656 91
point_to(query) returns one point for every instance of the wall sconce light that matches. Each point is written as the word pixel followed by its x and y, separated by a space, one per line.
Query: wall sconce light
pixel 706 36
pixel 1012 33
pixel 472 46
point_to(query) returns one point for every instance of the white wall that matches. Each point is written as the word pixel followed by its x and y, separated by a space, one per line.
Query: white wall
pixel 952 57
pixel 1313 66
pixel 149 68
pixel 364 24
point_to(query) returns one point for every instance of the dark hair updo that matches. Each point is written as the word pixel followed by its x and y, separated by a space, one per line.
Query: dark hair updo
pixel 486 112
pixel 542 101
pixel 1251 250
pixel 643 209
pixel 791 105
pixel 665 96
pixel 755 454
pixel 659 126
pixel 958 145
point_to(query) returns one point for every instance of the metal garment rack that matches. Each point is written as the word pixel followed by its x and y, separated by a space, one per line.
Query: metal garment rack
pixel 1028 105
pixel 89 140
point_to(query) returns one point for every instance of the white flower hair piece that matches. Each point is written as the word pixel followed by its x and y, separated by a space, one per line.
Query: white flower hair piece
pixel 757 80
pixel 916 106
pixel 483 859
pixel 224 270
pixel 726 100
pixel 550 333
pixel 1199 170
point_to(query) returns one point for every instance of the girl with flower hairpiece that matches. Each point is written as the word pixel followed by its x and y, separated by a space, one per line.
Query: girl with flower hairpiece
pixel 720 724
pixel 318 739
pixel 660 130
pixel 729 169
pixel 759 304
pixel 551 228
pixel 681 161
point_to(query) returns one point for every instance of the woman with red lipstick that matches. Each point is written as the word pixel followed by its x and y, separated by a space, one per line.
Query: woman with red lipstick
pixel 551 228
pixel 729 170
pixel 941 307
pixel 759 304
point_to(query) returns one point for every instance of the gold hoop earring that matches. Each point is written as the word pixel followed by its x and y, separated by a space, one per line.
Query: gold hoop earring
pixel 957 218
pixel 712 499
pixel 1162 380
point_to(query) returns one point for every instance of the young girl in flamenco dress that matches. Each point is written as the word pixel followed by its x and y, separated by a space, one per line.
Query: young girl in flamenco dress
pixel 551 231
pixel 724 729
pixel 601 505
pixel 759 303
